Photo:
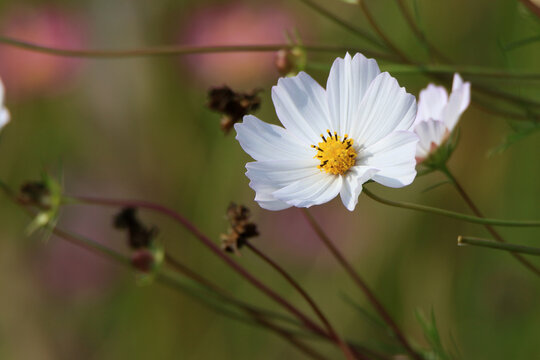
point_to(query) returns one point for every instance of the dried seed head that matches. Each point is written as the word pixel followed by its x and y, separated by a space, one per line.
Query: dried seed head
pixel 139 236
pixel 36 193
pixel 232 105
pixel 241 228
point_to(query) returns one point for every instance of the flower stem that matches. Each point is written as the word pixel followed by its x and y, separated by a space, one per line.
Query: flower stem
pixel 489 228
pixel 174 50
pixel 378 30
pixel 467 240
pixel 451 214
pixel 355 30
pixel 383 313
pixel 346 350
pixel 212 247
pixel 257 315
pixel 109 254
pixel 417 32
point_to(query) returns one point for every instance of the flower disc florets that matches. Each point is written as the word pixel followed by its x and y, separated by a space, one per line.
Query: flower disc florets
pixel 335 154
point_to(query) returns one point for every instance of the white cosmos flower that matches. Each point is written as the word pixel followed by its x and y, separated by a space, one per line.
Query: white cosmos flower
pixel 4 113
pixel 438 114
pixel 333 140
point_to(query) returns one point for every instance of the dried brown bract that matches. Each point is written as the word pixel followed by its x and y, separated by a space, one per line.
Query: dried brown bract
pixel 139 236
pixel 35 193
pixel 232 105
pixel 241 229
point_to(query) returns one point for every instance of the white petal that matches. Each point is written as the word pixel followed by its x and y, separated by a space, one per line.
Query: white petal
pixel 352 184
pixel 431 103
pixel 458 102
pixel 269 176
pixel 394 157
pixel 4 117
pixel 2 92
pixel 301 107
pixel 264 197
pixel 314 190
pixel 347 84
pixel 281 173
pixel 4 113
pixel 264 141
pixel 386 107
pixel 429 132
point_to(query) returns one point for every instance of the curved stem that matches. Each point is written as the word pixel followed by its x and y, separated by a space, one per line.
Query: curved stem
pixel 327 14
pixel 361 284
pixel 346 350
pixel 258 315
pixel 489 228
pixel 212 247
pixel 174 50
pixel 451 214
pixel 166 279
pixel 417 32
pixel 469 240
pixel 378 30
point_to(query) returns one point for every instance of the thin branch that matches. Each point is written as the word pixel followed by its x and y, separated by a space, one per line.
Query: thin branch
pixel 258 315
pixel 177 50
pixel 383 313
pixel 380 32
pixel 451 214
pixel 353 29
pixel 346 350
pixel 211 246
pixel 461 190
pixel 468 240
pixel 417 32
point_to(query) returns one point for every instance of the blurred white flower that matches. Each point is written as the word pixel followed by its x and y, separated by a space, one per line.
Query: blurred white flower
pixel 333 140
pixel 4 113
pixel 438 114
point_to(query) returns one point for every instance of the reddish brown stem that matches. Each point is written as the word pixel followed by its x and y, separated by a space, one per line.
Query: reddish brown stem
pixel 346 350
pixel 383 313
pixel 256 314
pixel 213 248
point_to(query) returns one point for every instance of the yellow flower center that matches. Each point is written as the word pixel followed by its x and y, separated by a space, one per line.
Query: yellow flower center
pixel 336 155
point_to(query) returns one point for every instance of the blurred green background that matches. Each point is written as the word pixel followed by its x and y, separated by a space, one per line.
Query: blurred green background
pixel 139 128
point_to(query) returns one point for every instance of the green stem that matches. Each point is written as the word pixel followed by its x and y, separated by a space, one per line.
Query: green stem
pixel 353 29
pixel 467 240
pixel 417 32
pixel 378 30
pixel 461 190
pixel 451 214
pixel 176 50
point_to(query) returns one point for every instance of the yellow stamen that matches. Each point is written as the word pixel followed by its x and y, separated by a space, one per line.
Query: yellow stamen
pixel 335 154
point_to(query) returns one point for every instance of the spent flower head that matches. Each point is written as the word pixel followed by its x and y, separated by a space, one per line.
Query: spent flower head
pixel 46 197
pixel 333 140
pixel 438 114
pixel 241 229
pixel 233 105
